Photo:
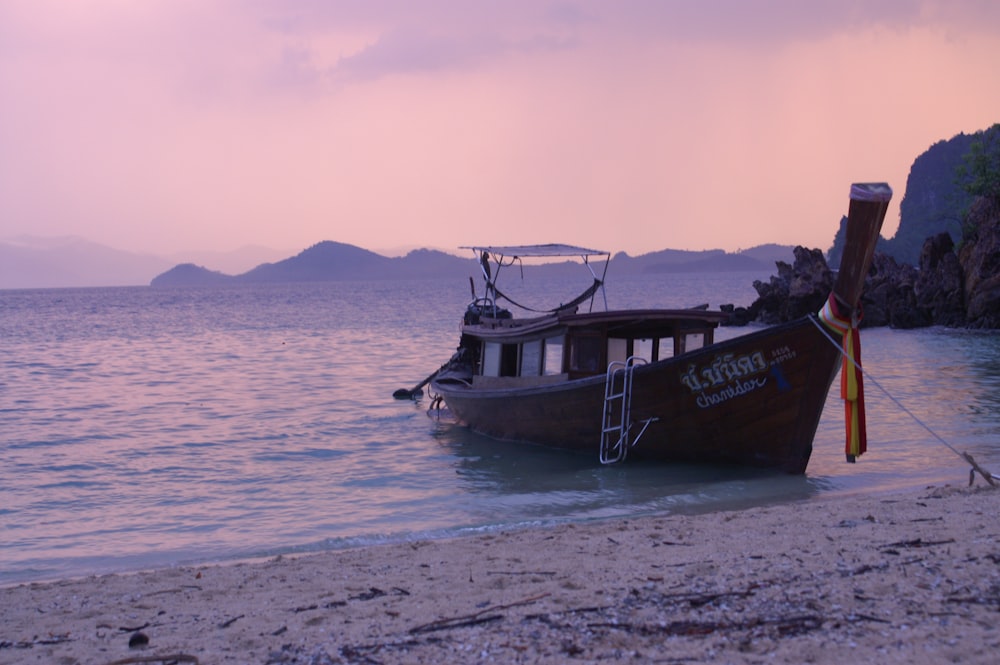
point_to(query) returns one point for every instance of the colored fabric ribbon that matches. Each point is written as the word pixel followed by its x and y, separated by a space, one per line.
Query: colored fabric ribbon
pixel 851 379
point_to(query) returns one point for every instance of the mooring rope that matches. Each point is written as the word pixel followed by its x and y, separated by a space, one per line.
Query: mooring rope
pixel 840 349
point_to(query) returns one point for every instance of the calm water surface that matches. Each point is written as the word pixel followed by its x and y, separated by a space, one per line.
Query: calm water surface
pixel 143 427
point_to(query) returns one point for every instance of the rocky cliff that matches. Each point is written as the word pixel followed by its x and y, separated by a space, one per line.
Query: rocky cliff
pixel 980 261
pixel 947 288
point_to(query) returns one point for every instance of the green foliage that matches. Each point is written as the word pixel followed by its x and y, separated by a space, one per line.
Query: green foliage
pixel 980 172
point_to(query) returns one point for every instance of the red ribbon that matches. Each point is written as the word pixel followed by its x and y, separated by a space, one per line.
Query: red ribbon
pixel 852 389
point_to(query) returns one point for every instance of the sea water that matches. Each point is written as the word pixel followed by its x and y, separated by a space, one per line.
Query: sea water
pixel 144 427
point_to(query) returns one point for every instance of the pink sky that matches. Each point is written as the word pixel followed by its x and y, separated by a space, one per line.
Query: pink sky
pixel 165 125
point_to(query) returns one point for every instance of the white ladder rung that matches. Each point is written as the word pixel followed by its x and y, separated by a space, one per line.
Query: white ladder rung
pixel 614 449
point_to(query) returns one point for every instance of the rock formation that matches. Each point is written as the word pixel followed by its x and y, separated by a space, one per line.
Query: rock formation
pixel 948 289
pixel 797 289
pixel 980 261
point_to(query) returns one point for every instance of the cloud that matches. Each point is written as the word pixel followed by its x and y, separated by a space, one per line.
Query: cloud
pixel 778 22
pixel 365 41
pixel 418 51
pixel 652 123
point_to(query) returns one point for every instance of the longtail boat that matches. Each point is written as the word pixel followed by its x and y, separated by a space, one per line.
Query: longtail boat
pixel 652 384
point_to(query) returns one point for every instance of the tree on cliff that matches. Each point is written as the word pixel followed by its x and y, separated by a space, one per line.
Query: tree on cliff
pixel 979 176
pixel 980 172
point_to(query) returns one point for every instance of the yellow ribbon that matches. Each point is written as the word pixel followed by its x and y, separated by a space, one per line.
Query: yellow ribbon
pixel 851 381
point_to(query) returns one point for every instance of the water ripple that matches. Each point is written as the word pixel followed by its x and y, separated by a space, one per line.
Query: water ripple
pixel 149 427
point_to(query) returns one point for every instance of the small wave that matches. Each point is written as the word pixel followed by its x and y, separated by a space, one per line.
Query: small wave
pixel 314 453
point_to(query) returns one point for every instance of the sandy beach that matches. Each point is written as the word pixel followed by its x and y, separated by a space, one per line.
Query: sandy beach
pixel 911 577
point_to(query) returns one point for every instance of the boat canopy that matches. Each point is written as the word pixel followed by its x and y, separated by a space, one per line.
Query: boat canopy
pixel 502 256
pixel 536 251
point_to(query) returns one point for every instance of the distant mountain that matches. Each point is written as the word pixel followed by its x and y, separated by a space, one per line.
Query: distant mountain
pixel 231 262
pixel 33 262
pixel 30 263
pixel 335 261
pixel 770 253
pixel 762 257
pixel 322 262
pixel 327 261
pixel 188 274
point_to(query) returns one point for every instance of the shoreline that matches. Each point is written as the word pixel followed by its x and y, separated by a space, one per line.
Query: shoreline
pixel 910 576
pixel 133 565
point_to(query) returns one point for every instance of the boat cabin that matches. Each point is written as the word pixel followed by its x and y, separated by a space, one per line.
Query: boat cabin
pixel 570 346
pixel 565 344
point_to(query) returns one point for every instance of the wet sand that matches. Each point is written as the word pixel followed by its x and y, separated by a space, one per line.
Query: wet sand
pixel 911 577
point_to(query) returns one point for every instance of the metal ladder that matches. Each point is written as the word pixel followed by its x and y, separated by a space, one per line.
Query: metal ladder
pixel 615 434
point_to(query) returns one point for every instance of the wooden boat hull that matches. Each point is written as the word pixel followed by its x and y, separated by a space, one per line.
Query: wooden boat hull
pixel 752 401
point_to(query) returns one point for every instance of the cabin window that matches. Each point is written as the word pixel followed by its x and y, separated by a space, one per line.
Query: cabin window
pixel 508 360
pixel 585 354
pixel 491 359
pixel 666 349
pixel 499 359
pixel 643 348
pixel 554 355
pixel 617 349
pixel 690 342
pixel 531 358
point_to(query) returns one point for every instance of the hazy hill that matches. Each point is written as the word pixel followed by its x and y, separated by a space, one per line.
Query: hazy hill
pixel 322 262
pixel 713 260
pixel 770 253
pixel 75 262
pixel 231 262
pixel 332 261
pixel 188 274
pixel 28 262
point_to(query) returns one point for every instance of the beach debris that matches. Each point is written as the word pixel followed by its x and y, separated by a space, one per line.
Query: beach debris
pixel 168 659
pixel 699 599
pixel 133 629
pixel 993 599
pixel 300 655
pixel 975 467
pixel 372 593
pixel 472 619
pixel 229 622
pixel 48 640
pixel 456 622
pixel 139 640
pixel 917 542
pixel 784 626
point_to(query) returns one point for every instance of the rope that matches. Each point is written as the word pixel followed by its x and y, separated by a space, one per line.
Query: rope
pixel 990 477
pixel 572 303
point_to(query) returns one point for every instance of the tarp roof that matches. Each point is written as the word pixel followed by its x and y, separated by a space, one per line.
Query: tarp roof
pixel 525 251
